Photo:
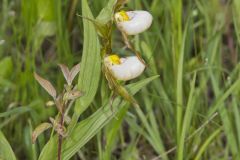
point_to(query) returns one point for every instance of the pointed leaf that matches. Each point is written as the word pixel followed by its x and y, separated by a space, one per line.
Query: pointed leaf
pixel 46 85
pixel 106 13
pixel 74 71
pixel 40 129
pixel 65 72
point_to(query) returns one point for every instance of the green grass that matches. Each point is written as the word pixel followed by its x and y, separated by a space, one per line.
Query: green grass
pixel 190 111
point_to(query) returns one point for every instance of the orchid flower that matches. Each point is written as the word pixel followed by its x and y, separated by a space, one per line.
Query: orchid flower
pixel 124 68
pixel 133 22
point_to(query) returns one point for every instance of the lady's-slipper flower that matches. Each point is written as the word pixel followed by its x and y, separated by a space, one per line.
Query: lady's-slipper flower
pixel 133 22
pixel 124 68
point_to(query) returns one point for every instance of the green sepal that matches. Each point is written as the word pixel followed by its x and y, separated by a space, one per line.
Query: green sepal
pixel 117 88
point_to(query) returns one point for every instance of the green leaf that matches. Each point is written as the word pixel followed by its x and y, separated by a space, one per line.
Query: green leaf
pixel 45 10
pixel 89 127
pixel 106 13
pixel 6 152
pixel 44 28
pixel 39 130
pixel 91 62
pixel 6 67
pixel 118 89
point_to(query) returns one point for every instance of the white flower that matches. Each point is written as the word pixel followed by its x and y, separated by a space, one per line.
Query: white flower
pixel 124 68
pixel 133 22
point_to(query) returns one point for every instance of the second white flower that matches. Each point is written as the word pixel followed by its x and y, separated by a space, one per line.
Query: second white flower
pixel 124 68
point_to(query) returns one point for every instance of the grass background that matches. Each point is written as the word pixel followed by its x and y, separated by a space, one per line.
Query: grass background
pixel 190 112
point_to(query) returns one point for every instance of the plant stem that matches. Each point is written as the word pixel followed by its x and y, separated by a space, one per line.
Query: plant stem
pixel 130 46
pixel 72 10
pixel 60 137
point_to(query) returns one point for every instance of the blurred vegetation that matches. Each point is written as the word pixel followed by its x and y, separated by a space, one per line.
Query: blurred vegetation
pixel 190 112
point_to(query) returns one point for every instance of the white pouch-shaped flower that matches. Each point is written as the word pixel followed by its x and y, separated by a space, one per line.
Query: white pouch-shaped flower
pixel 124 68
pixel 133 22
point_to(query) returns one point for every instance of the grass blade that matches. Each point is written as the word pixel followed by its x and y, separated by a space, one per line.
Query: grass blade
pixel 15 111
pixel 187 118
pixel 6 152
pixel 207 142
